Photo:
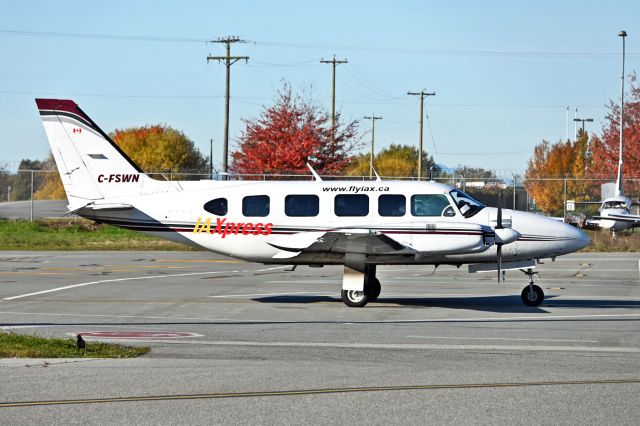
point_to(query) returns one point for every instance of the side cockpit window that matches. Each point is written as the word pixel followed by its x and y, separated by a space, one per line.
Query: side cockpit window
pixel 430 205
pixel 467 205
pixel 217 206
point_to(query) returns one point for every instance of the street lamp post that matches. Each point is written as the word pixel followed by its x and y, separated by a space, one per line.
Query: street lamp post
pixel 622 34
pixel 583 120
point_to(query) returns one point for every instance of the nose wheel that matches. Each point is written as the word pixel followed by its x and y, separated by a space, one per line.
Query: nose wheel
pixel 532 295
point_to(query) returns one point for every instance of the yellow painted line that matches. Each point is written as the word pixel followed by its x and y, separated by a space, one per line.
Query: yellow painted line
pixel 220 395
pixel 31 273
pixel 148 266
pixel 200 261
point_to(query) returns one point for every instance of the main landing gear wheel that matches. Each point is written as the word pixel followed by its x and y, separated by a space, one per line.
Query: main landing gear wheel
pixel 354 298
pixel 532 295
pixel 358 299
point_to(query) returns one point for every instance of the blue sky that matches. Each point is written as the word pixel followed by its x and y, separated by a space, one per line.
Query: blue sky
pixel 503 71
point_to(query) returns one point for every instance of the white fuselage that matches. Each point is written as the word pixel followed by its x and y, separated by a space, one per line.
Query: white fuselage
pixel 615 206
pixel 266 231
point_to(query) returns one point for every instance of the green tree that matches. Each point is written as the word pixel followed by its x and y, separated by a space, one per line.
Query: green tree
pixel 394 161
pixel 159 148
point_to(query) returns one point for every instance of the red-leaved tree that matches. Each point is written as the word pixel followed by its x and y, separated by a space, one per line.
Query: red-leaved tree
pixel 605 147
pixel 290 133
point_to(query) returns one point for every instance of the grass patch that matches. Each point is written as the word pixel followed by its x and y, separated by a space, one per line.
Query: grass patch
pixel 23 346
pixel 79 234
pixel 603 241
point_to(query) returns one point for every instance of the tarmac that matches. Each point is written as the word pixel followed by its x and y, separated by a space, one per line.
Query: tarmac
pixel 243 343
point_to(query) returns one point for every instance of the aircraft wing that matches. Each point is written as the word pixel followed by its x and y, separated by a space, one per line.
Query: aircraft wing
pixel 351 241
pixel 620 218
pixel 413 239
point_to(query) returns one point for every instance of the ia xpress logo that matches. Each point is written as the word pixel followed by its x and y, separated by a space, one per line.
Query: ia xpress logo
pixel 119 177
pixel 225 228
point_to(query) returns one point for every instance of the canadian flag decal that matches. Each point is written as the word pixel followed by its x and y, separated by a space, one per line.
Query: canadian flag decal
pixel 77 130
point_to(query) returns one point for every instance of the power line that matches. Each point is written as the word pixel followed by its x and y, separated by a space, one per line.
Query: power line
pixel 396 50
pixel 101 36
pixel 228 60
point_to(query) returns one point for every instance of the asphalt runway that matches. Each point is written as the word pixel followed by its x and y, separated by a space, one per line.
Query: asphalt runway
pixel 239 343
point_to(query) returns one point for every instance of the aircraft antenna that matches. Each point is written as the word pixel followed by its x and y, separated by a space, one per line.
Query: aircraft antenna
pixel 313 172
pixel 378 179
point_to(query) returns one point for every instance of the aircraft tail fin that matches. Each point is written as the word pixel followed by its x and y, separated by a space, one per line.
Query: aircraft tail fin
pixel 92 167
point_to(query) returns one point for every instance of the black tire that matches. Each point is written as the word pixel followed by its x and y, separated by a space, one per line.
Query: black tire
pixel 533 296
pixel 354 298
pixel 373 289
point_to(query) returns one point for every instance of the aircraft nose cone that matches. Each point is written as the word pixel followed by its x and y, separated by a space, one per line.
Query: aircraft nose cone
pixel 580 239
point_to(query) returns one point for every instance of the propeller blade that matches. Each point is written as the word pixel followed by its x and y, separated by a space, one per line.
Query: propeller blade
pixel 499 258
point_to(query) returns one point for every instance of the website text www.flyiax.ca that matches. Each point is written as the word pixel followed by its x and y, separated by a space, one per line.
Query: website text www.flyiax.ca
pixel 355 188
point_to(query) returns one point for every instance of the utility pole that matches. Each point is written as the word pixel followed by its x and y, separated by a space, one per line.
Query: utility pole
pixel 373 119
pixel 228 60
pixel 333 62
pixel 422 95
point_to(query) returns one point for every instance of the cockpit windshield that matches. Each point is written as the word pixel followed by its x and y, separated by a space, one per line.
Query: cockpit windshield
pixel 467 205
pixel 615 204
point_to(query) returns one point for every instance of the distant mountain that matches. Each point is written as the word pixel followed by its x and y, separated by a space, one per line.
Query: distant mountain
pixel 445 169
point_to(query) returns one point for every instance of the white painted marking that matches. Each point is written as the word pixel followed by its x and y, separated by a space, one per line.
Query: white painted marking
pixel 414 346
pixel 501 338
pixel 309 281
pixel 541 317
pixel 152 277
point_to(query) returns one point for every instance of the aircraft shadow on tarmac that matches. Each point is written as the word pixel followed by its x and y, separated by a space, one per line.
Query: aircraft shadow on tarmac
pixel 506 303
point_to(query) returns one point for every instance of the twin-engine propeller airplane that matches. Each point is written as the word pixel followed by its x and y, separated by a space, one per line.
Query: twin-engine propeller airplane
pixel 356 224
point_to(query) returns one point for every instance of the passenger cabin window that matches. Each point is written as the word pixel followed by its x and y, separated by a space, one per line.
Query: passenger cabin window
pixel 255 205
pixel 301 205
pixel 429 204
pixel 392 205
pixel 217 206
pixel 351 205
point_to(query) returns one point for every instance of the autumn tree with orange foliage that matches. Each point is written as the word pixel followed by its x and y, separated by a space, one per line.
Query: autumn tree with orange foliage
pixel 291 133
pixel 550 165
pixel 156 149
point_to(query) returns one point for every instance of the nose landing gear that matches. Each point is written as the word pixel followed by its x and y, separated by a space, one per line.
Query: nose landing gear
pixel 531 295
